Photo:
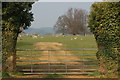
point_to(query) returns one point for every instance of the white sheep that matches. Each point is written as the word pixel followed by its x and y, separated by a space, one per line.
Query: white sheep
pixel 34 37
pixel 20 36
pixel 75 38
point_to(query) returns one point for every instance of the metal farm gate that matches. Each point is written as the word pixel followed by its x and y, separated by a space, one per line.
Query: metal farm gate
pixel 84 63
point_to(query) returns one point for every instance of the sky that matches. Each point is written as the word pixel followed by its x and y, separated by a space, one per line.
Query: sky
pixel 46 13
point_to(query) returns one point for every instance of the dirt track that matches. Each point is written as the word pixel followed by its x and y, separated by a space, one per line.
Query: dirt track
pixel 55 45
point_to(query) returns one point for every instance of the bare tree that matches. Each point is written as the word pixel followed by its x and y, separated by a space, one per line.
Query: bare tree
pixel 60 25
pixel 73 22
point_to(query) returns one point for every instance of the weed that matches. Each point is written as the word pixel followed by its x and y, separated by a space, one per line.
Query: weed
pixel 53 76
pixel 18 73
pixel 108 75
pixel 5 74
pixel 96 73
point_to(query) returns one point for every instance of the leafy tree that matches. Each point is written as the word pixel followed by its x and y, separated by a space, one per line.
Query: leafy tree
pixel 73 22
pixel 16 16
pixel 104 22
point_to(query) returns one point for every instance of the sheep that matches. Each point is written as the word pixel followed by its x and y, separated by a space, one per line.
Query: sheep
pixel 34 37
pixel 75 38
pixel 20 36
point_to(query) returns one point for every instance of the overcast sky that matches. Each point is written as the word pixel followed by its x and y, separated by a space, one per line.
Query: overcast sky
pixel 47 13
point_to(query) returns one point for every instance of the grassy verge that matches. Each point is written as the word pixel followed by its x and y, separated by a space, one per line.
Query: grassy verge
pixel 54 76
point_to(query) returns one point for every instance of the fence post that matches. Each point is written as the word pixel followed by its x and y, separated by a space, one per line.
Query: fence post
pixel 66 61
pixel 49 59
pixel 31 65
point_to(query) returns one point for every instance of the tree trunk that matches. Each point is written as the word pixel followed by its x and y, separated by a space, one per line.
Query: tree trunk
pixel 74 34
pixel 9 51
pixel 84 34
pixel 108 60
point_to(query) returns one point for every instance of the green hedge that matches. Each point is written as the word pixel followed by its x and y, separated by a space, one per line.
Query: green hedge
pixel 104 23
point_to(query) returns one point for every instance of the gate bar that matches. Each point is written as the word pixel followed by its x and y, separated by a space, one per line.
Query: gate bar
pixel 53 49
pixel 51 55
pixel 63 73
pixel 58 69
pixel 51 65
pixel 54 60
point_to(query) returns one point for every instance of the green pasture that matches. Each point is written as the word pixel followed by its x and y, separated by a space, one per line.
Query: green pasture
pixel 27 42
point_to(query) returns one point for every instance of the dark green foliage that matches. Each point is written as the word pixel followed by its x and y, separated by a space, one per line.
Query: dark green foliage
pixel 16 17
pixel 104 22
pixel 17 14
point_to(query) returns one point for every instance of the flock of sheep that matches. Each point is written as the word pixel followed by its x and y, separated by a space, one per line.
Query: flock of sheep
pixel 36 37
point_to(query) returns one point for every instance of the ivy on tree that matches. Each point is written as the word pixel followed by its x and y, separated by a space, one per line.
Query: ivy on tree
pixel 104 23
pixel 16 16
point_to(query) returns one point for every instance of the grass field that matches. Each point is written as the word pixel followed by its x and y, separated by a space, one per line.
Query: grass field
pixel 68 42
pixel 27 42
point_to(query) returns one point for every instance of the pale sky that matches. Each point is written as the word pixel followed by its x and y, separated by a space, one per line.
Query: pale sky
pixel 69 0
pixel 46 12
